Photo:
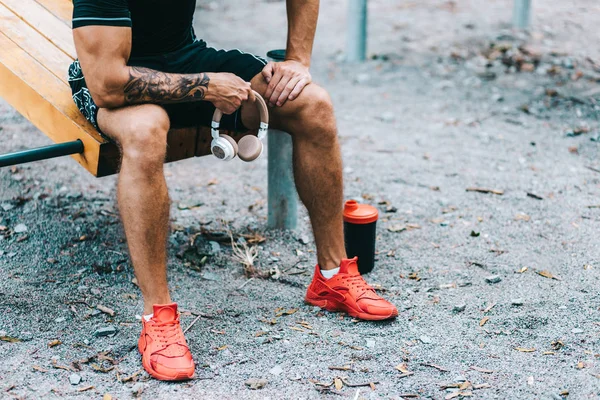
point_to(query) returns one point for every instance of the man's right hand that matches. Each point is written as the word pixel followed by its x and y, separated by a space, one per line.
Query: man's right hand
pixel 227 91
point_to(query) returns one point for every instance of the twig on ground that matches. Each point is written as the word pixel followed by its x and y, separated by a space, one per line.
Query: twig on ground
pixel 483 190
pixel 245 283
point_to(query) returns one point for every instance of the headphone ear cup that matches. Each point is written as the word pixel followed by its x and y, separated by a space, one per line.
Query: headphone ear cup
pixel 250 148
pixel 232 142
pixel 224 147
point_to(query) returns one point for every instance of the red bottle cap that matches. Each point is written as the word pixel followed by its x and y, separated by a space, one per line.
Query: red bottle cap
pixel 356 213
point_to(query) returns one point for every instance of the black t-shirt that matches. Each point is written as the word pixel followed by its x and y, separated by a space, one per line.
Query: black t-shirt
pixel 158 26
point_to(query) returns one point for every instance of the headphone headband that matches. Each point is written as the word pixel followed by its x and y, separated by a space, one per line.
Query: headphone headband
pixel 262 110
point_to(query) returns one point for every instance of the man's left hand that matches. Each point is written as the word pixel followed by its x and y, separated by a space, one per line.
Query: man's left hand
pixel 286 81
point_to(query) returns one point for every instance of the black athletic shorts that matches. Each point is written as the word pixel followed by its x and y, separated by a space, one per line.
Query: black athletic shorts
pixel 193 58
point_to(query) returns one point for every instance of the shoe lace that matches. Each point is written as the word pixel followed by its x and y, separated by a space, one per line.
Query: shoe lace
pixel 358 283
pixel 168 332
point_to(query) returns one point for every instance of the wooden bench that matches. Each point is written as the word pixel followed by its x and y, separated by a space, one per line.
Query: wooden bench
pixel 36 49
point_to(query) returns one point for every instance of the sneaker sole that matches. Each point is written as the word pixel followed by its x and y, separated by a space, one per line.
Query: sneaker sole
pixel 332 307
pixel 182 376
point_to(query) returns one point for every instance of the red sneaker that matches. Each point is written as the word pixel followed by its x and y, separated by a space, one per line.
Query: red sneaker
pixel 165 353
pixel 347 291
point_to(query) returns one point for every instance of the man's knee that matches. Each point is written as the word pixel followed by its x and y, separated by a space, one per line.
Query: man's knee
pixel 314 112
pixel 145 137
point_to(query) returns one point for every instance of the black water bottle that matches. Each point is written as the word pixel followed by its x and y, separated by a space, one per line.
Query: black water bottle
pixel 360 221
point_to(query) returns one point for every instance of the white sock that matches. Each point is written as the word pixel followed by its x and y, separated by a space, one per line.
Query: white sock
pixel 329 273
pixel 148 317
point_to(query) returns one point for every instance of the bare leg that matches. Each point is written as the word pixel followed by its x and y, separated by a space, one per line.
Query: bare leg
pixel 141 132
pixel 317 164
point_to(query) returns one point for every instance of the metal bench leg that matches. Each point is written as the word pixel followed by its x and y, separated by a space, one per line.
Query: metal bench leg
pixel 356 47
pixel 521 14
pixel 282 197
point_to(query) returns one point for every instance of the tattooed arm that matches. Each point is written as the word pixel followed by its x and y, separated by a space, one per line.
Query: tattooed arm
pixel 103 52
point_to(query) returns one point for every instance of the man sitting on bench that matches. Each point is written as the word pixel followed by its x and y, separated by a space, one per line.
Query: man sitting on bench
pixel 146 71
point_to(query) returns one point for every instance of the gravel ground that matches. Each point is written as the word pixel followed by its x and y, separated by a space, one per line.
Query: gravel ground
pixel 495 290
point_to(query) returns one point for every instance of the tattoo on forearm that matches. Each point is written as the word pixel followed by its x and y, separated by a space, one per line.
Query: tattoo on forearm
pixel 150 86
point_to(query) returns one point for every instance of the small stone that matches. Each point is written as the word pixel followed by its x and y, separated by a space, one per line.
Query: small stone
pixel 60 319
pixel 516 302
pixel 362 78
pixel 256 383
pixel 211 276
pixel 82 288
pixel 370 343
pixel 74 379
pixel 493 279
pixel 576 330
pixel 3 333
pixel 95 312
pixel 497 97
pixel 425 339
pixel 20 228
pixel 459 308
pixel 387 117
pixel 7 206
pixel 137 389
pixel 303 239
pixel 276 370
pixel 105 331
pixel 215 247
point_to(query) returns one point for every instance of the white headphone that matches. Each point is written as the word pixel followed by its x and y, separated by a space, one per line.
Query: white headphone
pixel 250 147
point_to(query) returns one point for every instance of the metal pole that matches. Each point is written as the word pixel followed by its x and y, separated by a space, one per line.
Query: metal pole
pixel 356 47
pixel 521 14
pixel 282 196
pixel 42 153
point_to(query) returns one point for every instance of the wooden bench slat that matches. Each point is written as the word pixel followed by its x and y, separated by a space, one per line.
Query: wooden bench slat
pixel 62 9
pixel 45 101
pixel 47 24
pixel 33 43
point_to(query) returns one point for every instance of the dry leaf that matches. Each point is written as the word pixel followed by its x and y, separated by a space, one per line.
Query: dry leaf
pixel 435 366
pixel 485 371
pixel 482 190
pixel 337 382
pixel 372 385
pixel 85 389
pixel 488 308
pixel 482 386
pixel 55 342
pixel 106 310
pixel 522 270
pixel 288 312
pixel 344 368
pixel 547 274
pixel 260 333
pixel 402 368
pixel 580 365
pixel 9 339
pixel 484 321
pixel 522 217
pixel 525 350
pixel 39 369
pixel 106 397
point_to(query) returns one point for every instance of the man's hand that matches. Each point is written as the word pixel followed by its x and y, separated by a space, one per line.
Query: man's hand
pixel 227 91
pixel 286 81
